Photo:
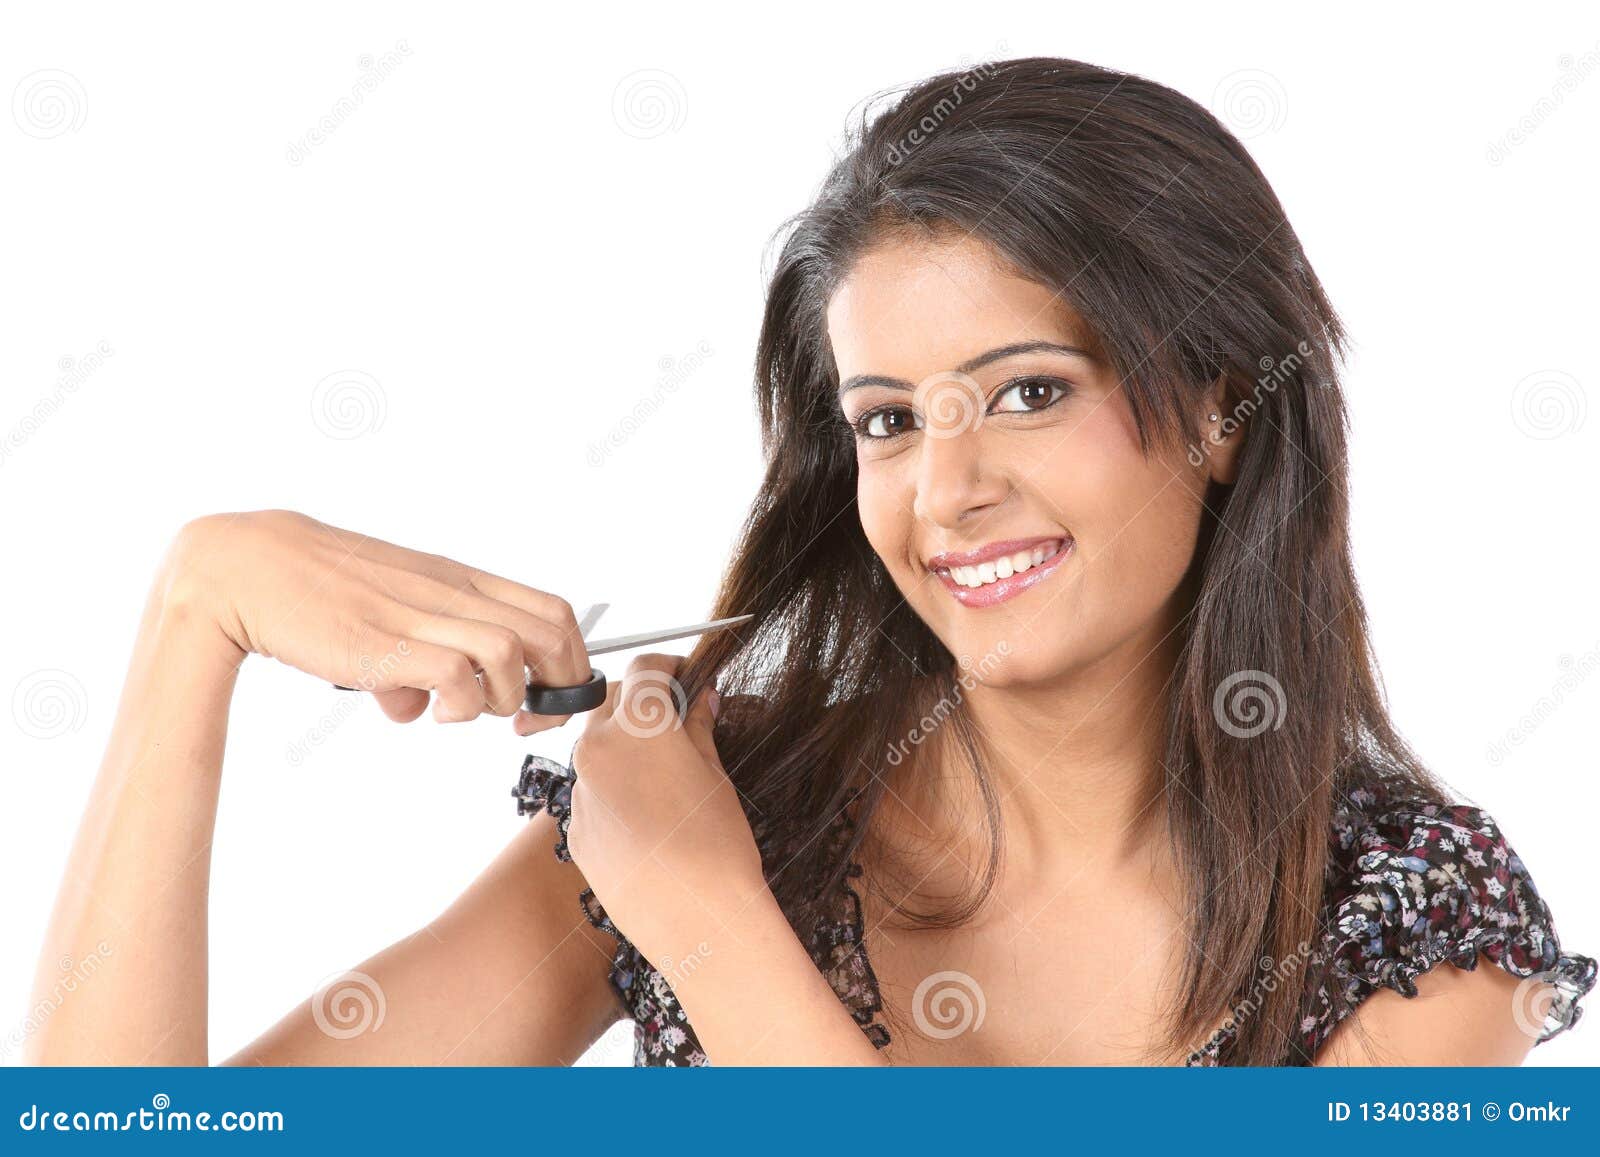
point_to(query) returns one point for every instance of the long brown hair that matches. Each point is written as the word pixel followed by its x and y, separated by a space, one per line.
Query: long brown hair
pixel 1153 223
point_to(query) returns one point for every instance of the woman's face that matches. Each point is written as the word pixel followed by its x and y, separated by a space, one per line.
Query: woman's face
pixel 1001 478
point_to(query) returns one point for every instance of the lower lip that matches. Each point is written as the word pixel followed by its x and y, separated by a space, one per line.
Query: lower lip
pixel 1007 588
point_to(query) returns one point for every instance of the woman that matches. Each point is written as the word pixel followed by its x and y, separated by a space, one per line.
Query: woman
pixel 1055 737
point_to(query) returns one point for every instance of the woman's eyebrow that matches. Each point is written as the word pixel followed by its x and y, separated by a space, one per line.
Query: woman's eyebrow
pixel 971 364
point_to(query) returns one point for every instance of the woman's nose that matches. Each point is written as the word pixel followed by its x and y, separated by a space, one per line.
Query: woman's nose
pixel 953 483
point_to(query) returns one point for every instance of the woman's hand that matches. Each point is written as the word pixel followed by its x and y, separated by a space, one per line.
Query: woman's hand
pixel 657 827
pixel 368 614
pixel 659 833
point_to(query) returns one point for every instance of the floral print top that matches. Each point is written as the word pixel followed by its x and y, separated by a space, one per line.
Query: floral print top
pixel 1410 885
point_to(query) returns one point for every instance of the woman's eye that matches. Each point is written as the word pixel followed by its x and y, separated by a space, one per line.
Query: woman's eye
pixel 888 422
pixel 1029 394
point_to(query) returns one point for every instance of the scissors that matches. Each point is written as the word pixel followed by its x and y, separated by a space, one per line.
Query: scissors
pixel 589 695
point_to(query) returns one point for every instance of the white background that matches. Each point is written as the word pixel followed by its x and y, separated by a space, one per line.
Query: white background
pixel 521 235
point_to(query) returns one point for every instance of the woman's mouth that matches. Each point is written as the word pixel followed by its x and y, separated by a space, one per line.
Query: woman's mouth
pixel 1001 570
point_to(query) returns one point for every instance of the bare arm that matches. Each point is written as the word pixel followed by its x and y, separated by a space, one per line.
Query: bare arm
pixel 1456 1018
pixel 134 895
pixel 511 973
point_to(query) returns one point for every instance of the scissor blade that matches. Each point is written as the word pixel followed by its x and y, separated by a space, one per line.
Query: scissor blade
pixel 627 642
pixel 590 618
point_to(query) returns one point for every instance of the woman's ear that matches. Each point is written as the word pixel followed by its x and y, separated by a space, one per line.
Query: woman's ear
pixel 1222 434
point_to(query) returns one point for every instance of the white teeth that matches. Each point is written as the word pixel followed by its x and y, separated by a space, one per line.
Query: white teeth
pixel 988 572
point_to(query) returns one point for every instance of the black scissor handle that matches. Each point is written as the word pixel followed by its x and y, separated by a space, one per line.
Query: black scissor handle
pixel 567 700
pixel 557 700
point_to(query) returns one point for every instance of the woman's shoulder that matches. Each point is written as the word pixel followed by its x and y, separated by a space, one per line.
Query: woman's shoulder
pixel 1415 881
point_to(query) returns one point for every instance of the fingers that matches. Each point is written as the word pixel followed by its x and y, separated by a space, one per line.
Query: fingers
pixel 438 585
pixel 401 671
pixel 489 648
pixel 553 652
pixel 505 643
pixel 402 704
pixel 652 701
pixel 526 723
pixel 546 607
pixel 698 724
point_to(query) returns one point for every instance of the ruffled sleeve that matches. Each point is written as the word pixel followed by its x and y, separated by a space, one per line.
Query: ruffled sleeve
pixel 1414 884
pixel 662 1034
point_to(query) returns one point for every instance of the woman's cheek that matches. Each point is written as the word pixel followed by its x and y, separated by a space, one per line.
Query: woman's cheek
pixel 884 514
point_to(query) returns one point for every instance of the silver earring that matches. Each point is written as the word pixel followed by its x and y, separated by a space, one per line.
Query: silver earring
pixel 1212 417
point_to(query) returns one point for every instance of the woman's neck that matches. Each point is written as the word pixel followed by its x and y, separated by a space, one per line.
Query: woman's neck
pixel 1076 764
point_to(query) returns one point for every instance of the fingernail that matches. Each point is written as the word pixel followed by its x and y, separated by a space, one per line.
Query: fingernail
pixel 715 701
